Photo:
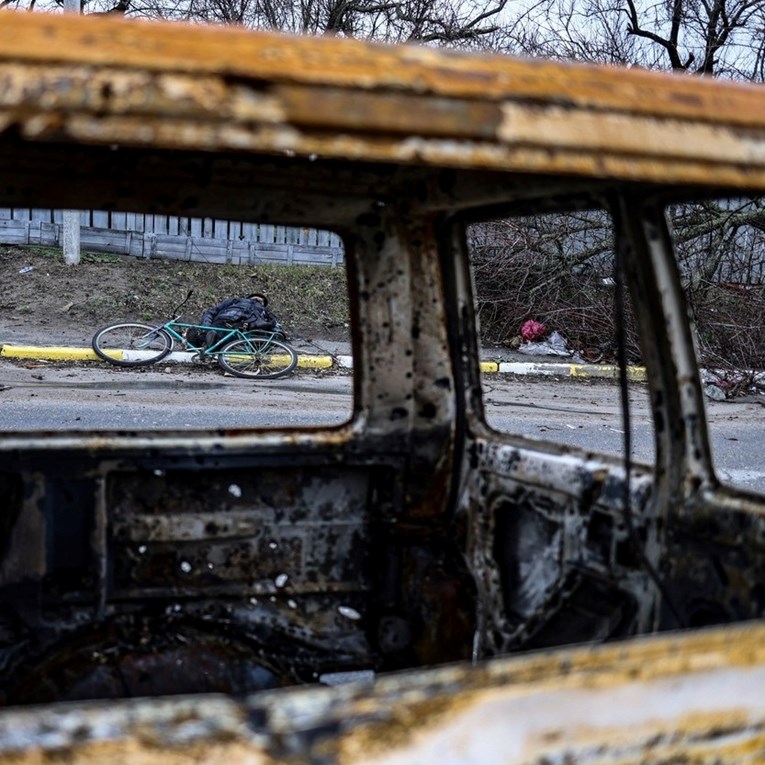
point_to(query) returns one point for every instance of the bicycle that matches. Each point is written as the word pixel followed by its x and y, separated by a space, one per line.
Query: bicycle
pixel 262 354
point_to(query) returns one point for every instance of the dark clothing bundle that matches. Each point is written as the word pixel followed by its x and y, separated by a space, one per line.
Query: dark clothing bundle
pixel 245 313
pixel 242 313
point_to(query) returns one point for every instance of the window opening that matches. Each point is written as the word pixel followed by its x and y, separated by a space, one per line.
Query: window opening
pixel 720 245
pixel 545 302
pixel 144 272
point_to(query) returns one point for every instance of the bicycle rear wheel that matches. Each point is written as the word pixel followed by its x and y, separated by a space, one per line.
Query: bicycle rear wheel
pixel 259 357
pixel 131 344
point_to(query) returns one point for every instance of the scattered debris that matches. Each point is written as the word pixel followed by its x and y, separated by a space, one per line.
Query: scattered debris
pixel 554 345
pixel 714 392
pixel 721 384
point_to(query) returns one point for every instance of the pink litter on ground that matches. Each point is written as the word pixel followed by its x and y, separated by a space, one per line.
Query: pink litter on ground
pixel 532 330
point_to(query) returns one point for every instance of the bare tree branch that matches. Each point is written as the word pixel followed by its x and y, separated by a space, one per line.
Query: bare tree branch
pixel 669 45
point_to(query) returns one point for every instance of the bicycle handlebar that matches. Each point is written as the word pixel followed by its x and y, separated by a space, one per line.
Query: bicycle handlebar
pixel 182 303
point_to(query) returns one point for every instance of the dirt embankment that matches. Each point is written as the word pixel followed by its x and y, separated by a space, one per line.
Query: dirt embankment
pixel 45 300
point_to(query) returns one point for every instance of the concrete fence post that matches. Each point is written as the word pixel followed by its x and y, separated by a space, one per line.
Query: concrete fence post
pixel 71 220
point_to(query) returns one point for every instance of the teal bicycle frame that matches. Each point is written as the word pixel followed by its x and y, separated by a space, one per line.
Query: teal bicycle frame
pixel 228 334
pixel 255 353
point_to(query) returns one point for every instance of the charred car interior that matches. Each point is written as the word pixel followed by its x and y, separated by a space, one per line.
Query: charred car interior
pixel 187 591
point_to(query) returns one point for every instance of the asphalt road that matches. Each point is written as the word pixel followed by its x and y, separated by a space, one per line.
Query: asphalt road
pixel 585 414
pixel 151 400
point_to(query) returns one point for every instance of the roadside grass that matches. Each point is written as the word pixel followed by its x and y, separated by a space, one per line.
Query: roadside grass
pixel 102 288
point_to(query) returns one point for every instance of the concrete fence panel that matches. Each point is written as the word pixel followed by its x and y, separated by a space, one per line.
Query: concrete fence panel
pixel 176 238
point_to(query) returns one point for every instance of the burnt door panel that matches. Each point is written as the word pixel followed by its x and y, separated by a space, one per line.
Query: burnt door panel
pixel 557 560
pixel 570 547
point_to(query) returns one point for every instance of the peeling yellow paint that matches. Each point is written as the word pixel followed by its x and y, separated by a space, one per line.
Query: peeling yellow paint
pixel 54 353
pixel 125 91
pixel 626 134
pixel 315 362
pixel 635 374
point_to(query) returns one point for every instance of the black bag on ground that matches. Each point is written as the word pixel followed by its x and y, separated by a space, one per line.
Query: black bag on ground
pixel 247 314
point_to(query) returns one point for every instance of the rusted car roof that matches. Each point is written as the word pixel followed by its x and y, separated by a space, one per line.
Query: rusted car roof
pixel 231 89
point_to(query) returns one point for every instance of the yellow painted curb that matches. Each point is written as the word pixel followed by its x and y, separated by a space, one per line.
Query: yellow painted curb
pixel 635 374
pixel 60 353
pixel 55 353
pixel 315 362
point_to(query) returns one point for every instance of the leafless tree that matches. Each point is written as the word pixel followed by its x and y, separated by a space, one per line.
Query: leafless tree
pixel 446 22
pixel 95 7
pixel 554 268
pixel 718 37
pixel 723 35
pixel 721 243
pixel 459 23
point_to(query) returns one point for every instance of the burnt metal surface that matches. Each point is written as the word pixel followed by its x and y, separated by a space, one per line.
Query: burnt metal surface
pixel 241 561
pixel 685 698
pixel 162 571
pixel 553 553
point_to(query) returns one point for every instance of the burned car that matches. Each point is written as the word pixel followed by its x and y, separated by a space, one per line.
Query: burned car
pixel 462 567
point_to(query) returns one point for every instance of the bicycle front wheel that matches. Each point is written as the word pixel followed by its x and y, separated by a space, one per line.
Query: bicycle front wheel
pixel 258 357
pixel 131 344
